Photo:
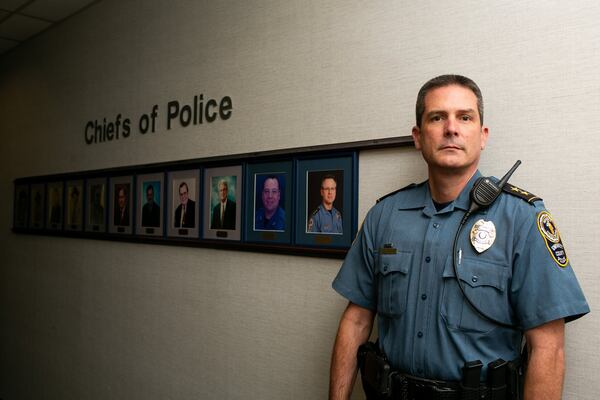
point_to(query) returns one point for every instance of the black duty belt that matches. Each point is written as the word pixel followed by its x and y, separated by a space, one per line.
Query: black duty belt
pixel 381 382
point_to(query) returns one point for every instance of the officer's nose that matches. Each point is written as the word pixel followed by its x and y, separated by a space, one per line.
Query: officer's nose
pixel 451 127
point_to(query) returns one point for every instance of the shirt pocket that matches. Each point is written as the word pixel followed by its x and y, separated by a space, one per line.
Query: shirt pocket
pixel 485 283
pixel 393 276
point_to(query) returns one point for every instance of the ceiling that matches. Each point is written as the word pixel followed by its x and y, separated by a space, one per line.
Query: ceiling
pixel 21 20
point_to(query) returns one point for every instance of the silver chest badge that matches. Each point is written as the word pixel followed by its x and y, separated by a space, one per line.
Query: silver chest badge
pixel 483 234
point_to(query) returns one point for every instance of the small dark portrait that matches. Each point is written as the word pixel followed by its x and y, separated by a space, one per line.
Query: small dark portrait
pixel 55 206
pixel 121 202
pixel 325 202
pixel 223 202
pixel 74 205
pixel 21 209
pixel 185 213
pixel 151 207
pixel 96 204
pixel 37 207
pixel 269 214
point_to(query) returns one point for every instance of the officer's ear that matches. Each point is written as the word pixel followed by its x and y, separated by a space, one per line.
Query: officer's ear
pixel 416 135
pixel 484 136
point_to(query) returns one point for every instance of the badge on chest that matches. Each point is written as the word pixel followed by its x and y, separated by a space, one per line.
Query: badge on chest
pixel 483 234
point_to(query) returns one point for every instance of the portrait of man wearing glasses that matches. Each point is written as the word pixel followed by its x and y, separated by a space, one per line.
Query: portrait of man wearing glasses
pixel 326 218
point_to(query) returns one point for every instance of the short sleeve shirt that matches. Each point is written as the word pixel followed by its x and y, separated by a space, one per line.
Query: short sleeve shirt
pixel 400 266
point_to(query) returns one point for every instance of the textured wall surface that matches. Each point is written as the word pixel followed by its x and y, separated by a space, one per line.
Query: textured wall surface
pixel 83 319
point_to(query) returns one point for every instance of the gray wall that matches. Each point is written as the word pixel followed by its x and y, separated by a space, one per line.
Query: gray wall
pixel 83 319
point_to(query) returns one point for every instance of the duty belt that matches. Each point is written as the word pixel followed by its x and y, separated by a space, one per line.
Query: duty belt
pixel 381 382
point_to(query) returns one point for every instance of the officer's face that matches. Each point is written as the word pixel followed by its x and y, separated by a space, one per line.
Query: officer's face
pixel 122 198
pixel 183 194
pixel 451 136
pixel 271 194
pixel 222 192
pixel 328 190
pixel 150 194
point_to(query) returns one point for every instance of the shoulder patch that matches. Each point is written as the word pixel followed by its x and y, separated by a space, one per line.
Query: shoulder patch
pixel 551 236
pixel 523 194
pixel 412 185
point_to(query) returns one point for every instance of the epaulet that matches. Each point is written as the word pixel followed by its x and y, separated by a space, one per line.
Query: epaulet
pixel 412 185
pixel 523 194
pixel 315 211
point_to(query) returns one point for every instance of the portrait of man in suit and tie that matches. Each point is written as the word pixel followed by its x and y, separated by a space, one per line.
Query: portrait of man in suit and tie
pixel 121 201
pixel 185 213
pixel 151 209
pixel 224 212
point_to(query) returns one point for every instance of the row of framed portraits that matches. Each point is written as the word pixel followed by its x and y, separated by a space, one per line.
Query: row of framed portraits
pixel 298 201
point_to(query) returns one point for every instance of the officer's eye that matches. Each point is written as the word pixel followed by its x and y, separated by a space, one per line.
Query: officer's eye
pixel 466 117
pixel 435 118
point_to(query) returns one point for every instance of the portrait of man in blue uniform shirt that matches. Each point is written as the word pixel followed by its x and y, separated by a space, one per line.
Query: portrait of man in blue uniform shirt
pixel 270 217
pixel 326 218
pixel 510 263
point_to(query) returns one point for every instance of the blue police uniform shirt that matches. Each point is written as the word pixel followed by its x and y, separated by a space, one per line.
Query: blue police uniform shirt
pixel 276 223
pixel 400 266
pixel 325 221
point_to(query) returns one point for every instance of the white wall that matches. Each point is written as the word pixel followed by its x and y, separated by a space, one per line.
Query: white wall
pixel 95 319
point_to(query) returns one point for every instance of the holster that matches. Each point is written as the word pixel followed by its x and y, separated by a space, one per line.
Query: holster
pixel 375 371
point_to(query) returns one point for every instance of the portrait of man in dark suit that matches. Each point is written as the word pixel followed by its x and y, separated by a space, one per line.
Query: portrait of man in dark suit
pixel 121 214
pixel 223 214
pixel 151 210
pixel 185 213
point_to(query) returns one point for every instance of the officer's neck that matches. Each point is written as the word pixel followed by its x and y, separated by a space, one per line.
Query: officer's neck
pixel 327 207
pixel 445 185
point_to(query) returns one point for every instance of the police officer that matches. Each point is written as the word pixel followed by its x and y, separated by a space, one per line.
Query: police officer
pixel 270 217
pixel 511 264
pixel 326 218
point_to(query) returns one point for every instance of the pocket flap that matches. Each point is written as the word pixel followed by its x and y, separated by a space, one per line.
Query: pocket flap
pixel 475 273
pixel 399 262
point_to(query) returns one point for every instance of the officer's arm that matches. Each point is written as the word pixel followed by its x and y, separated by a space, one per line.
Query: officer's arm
pixel 544 377
pixel 355 328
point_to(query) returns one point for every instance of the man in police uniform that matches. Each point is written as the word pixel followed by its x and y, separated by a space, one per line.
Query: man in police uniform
pixel 326 218
pixel 270 216
pixel 511 263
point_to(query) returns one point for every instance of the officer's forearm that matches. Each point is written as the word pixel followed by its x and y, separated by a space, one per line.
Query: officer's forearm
pixel 545 373
pixel 355 328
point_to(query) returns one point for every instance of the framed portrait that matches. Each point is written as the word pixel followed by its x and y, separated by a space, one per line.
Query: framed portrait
pixel 74 205
pixel 121 205
pixel 54 211
pixel 269 202
pixel 96 209
pixel 150 204
pixel 36 207
pixel 326 195
pixel 182 203
pixel 222 202
pixel 21 206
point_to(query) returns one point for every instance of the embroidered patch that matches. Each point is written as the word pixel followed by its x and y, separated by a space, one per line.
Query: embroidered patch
pixel 551 236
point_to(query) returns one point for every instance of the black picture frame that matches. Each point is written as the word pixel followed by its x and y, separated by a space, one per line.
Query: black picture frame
pixel 30 213
pixel 278 178
pixel 150 207
pixel 230 178
pixel 121 191
pixel 183 185
pixel 315 225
